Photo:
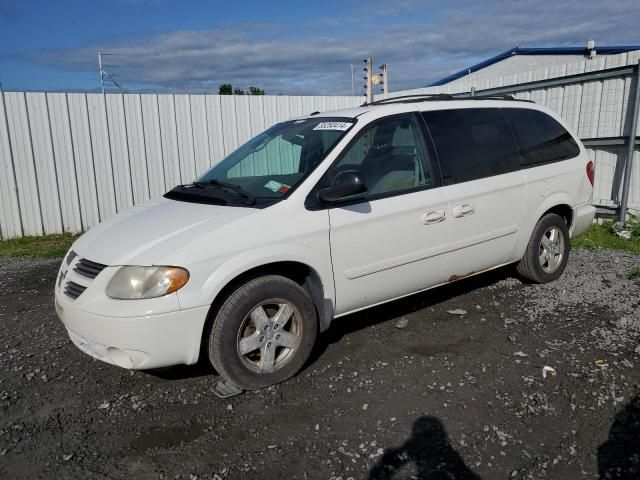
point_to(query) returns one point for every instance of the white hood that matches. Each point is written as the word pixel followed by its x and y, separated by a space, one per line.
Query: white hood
pixel 144 234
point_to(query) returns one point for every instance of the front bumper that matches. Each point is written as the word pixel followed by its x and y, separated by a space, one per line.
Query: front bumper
pixel 135 342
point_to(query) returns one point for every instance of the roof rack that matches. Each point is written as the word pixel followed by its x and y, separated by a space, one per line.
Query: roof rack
pixel 442 96
pixel 411 98
pixel 503 96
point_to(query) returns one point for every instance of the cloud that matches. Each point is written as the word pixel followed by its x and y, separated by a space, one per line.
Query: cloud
pixel 419 44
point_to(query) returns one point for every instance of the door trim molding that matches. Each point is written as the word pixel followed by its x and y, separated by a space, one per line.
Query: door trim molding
pixel 485 237
pixel 394 262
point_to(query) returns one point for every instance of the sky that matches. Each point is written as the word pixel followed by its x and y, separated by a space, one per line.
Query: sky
pixel 282 46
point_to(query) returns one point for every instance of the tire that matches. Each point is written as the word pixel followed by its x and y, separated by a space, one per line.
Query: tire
pixel 545 260
pixel 246 343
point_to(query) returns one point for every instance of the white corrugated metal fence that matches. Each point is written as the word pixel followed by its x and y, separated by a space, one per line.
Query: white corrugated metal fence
pixel 71 160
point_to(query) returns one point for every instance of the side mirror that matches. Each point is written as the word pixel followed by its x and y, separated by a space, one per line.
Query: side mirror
pixel 347 185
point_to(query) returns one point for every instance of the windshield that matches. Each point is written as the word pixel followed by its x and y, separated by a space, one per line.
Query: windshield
pixel 276 161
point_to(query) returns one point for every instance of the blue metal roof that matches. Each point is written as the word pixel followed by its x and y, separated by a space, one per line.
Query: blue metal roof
pixel 533 51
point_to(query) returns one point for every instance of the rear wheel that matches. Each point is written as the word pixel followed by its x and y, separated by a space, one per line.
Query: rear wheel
pixel 548 250
pixel 263 333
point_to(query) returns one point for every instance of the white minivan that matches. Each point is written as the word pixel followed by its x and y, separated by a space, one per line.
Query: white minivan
pixel 319 217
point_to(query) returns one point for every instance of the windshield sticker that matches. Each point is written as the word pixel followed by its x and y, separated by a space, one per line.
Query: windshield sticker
pixel 277 187
pixel 341 126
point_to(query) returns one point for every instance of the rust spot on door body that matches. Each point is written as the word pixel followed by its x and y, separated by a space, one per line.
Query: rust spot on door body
pixel 453 278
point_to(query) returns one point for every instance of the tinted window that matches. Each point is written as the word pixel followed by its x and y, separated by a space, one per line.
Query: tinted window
pixel 390 156
pixel 472 143
pixel 540 138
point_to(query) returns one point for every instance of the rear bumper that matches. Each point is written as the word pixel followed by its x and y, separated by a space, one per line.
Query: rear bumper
pixel 583 216
pixel 135 342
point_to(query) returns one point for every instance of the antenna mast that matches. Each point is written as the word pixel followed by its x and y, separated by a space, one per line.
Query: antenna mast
pixel 104 73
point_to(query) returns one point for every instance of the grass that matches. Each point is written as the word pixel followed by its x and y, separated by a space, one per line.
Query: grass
pixel 635 273
pixel 46 246
pixel 598 237
pixel 602 237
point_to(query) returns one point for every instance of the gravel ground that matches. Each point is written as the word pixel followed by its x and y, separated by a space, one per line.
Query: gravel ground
pixel 405 390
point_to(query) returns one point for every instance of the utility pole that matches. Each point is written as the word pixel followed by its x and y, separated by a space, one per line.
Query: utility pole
pixel 368 78
pixel 385 78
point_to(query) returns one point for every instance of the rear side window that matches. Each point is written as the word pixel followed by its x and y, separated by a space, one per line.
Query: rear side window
pixel 540 138
pixel 472 143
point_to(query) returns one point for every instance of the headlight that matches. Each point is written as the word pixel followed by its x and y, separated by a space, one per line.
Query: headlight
pixel 146 282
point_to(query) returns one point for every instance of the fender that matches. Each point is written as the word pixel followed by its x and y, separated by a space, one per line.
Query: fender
pixel 237 265
pixel 223 270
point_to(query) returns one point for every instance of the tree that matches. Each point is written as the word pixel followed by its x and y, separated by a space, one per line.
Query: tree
pixel 225 89
pixel 228 89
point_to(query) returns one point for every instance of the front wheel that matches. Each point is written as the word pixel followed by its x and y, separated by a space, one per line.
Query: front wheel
pixel 263 333
pixel 548 250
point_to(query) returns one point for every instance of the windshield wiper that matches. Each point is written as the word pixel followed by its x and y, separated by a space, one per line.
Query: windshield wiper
pixel 232 187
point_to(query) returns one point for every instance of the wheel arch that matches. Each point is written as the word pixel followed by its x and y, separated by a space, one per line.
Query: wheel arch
pixel 563 210
pixel 303 274
pixel 559 203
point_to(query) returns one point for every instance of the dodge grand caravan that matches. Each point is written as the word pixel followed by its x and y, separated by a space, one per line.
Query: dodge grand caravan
pixel 319 217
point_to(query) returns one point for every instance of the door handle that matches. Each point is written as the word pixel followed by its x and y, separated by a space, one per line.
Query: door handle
pixel 433 216
pixel 463 210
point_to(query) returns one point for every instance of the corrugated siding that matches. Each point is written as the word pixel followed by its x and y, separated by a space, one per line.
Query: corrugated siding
pixel 71 160
pixel 102 155
pixel 10 221
pixel 152 144
pixel 64 159
pixel 45 168
pixel 82 146
pixel 23 163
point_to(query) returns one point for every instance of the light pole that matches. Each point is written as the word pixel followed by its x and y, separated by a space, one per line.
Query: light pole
pixel 368 78
pixel 385 78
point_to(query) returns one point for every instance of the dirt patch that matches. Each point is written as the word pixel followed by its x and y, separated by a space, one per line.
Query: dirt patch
pixel 405 390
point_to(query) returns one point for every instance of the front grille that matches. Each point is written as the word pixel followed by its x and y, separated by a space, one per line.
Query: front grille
pixel 73 290
pixel 88 268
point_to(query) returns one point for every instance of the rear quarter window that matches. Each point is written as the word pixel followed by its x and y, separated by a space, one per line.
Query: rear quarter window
pixel 472 143
pixel 541 139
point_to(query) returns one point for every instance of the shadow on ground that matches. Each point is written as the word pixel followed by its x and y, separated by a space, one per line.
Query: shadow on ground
pixel 619 456
pixel 427 454
pixel 183 372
